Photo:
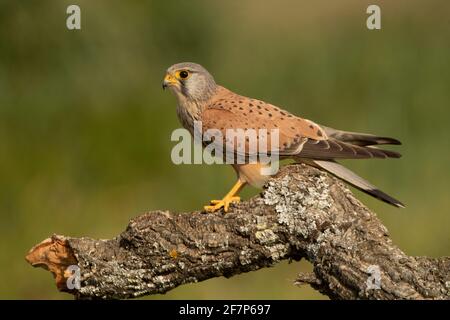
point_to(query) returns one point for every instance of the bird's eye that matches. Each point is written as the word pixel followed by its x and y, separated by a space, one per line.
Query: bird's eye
pixel 184 74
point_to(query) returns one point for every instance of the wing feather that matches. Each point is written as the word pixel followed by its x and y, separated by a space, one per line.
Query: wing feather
pixel 297 137
pixel 335 149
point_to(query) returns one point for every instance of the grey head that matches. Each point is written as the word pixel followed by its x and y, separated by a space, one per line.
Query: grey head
pixel 189 82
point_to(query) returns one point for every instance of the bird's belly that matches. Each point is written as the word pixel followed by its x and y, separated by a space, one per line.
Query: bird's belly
pixel 251 173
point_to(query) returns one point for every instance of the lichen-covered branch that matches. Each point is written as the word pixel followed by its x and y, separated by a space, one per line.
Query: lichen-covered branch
pixel 302 213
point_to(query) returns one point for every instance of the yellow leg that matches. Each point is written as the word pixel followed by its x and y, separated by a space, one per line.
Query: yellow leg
pixel 230 197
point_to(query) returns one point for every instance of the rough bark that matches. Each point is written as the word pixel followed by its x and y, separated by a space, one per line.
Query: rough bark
pixel 302 213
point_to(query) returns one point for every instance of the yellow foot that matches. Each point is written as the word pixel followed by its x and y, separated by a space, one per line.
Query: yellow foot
pixel 224 203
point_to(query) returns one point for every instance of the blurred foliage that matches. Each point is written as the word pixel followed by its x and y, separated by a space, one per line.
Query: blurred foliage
pixel 85 127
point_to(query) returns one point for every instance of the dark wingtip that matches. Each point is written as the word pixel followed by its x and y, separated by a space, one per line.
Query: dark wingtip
pixel 393 154
pixel 385 197
pixel 382 153
pixel 386 140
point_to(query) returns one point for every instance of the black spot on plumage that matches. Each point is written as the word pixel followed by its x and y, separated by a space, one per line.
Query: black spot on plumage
pixel 319 133
pixel 311 126
pixel 269 114
pixel 250 104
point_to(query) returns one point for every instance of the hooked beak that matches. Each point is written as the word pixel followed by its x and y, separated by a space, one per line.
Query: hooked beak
pixel 169 80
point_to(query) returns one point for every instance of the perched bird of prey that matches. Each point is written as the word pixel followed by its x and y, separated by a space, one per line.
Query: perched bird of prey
pixel 199 98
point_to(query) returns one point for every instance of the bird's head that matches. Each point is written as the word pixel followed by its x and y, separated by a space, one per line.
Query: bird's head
pixel 189 82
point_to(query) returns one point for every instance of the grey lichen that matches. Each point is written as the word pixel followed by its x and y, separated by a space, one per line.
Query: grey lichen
pixel 114 276
pixel 266 236
pixel 278 251
pixel 292 199
pixel 245 256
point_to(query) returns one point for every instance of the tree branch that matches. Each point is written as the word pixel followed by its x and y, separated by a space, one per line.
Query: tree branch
pixel 302 213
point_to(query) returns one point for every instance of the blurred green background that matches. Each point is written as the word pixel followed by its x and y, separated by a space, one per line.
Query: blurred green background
pixel 85 127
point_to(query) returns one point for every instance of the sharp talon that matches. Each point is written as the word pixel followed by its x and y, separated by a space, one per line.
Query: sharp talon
pixel 224 203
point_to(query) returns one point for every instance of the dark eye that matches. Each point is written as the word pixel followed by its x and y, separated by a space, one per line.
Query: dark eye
pixel 184 74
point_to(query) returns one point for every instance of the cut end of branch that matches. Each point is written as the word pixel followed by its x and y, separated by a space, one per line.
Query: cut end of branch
pixel 55 255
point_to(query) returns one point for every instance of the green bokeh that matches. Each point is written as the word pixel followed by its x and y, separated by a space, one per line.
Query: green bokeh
pixel 85 127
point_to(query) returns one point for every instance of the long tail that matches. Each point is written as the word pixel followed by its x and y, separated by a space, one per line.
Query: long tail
pixel 356 181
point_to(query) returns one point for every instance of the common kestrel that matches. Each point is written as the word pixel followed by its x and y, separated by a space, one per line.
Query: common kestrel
pixel 199 98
